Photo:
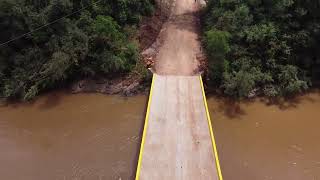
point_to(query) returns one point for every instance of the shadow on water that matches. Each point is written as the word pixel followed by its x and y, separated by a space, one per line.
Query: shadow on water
pixel 231 108
pixel 235 109
pixel 52 100
pixel 48 101
pixel 16 103
pixel 290 102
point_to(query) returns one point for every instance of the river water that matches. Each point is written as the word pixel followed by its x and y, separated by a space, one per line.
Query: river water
pixel 97 137
pixel 257 141
pixel 71 137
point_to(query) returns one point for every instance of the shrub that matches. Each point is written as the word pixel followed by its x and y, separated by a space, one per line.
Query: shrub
pixel 260 44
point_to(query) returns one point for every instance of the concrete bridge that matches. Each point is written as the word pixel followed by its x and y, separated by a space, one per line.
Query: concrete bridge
pixel 178 142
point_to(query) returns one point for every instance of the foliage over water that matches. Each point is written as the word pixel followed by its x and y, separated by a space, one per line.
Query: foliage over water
pixel 267 46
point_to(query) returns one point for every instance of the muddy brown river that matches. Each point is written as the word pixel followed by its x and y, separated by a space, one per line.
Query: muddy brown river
pixel 268 142
pixel 71 137
pixel 97 137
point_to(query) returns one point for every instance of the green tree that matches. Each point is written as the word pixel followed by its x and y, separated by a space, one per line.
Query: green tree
pixel 217 47
pixel 70 39
pixel 273 45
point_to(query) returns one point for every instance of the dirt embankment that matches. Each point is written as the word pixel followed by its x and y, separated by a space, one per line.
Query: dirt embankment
pixel 151 26
pixel 131 84
pixel 149 37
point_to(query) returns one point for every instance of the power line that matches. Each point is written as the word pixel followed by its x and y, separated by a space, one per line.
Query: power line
pixel 37 29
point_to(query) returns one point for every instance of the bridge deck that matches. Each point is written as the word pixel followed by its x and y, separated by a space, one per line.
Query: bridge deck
pixel 177 142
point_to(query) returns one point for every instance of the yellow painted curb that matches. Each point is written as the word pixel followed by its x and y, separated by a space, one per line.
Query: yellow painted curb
pixel 215 151
pixel 144 130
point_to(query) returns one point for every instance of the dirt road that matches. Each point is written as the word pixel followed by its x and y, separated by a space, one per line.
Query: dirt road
pixel 177 55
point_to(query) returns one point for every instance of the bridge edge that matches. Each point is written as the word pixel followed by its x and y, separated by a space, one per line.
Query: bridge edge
pixel 144 130
pixel 215 151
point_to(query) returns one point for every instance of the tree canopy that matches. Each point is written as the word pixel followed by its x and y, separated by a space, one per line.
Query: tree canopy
pixel 270 46
pixel 64 40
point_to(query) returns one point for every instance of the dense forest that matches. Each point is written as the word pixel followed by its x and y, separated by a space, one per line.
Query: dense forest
pixel 46 42
pixel 267 47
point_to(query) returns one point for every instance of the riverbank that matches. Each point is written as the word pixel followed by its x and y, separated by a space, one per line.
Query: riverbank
pixel 126 85
pixel 138 81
